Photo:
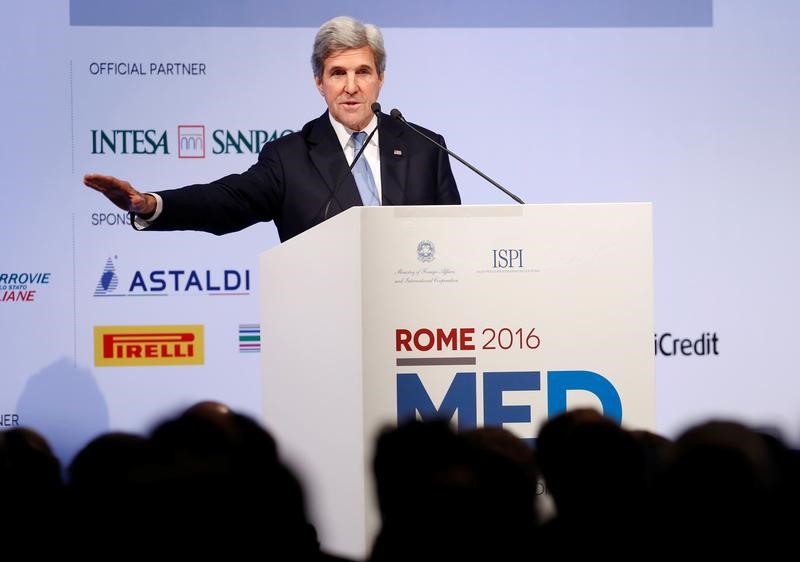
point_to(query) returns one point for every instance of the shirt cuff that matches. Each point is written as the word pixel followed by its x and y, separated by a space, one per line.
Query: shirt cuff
pixel 139 223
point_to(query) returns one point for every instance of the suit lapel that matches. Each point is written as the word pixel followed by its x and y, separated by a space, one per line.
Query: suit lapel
pixel 394 162
pixel 326 154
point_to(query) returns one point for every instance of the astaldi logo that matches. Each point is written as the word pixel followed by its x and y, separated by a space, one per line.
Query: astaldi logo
pixel 148 346
pixel 249 338
pixel 108 281
pixel 165 282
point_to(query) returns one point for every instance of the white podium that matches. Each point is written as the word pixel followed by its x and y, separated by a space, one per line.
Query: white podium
pixel 489 315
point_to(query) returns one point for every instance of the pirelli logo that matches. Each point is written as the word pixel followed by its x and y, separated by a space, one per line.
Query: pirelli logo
pixel 144 346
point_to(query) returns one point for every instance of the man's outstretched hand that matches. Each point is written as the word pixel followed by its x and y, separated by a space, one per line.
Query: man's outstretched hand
pixel 122 194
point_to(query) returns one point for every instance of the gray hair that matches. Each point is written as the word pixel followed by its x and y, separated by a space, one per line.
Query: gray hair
pixel 344 32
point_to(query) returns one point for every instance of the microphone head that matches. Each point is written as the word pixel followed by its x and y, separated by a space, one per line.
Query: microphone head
pixel 376 108
pixel 396 113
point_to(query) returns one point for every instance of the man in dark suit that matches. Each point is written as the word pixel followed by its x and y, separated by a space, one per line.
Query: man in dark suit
pixel 302 179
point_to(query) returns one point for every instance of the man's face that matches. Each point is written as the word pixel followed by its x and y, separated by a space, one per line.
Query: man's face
pixel 351 84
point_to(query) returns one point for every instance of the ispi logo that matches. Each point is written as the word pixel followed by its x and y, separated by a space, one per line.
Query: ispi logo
pixel 167 282
pixel 507 258
pixel 191 141
pixel 19 287
pixel 249 338
pixel 148 346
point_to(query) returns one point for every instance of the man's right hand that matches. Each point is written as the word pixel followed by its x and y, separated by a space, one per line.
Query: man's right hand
pixel 122 194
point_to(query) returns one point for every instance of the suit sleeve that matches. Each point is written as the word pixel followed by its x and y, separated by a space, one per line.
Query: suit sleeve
pixel 228 204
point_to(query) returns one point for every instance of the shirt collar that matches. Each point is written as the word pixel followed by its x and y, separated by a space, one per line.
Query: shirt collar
pixel 344 133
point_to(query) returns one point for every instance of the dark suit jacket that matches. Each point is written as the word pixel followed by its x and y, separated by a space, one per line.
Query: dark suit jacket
pixel 302 179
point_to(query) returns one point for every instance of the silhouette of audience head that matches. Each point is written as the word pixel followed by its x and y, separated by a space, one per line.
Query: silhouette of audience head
pixel 197 480
pixel 31 486
pixel 28 467
pixel 596 474
pixel 444 496
pixel 723 482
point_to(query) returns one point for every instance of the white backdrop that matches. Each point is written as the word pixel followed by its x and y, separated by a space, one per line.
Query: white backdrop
pixel 699 118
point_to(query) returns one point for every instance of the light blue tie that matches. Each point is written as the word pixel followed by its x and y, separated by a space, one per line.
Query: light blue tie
pixel 363 174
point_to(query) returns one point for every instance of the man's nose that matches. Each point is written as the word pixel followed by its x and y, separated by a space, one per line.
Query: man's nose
pixel 351 86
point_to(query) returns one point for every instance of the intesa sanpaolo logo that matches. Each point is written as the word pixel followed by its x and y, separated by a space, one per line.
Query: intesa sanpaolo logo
pixel 192 141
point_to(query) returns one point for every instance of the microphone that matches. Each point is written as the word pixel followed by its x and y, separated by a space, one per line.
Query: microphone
pixel 399 116
pixel 376 109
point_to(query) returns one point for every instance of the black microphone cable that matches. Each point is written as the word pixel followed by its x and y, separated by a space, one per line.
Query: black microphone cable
pixel 399 116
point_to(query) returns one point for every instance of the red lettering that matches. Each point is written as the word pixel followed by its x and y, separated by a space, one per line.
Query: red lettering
pixel 465 341
pixel 428 334
pixel 402 339
pixel 19 296
pixel 118 342
pixel 448 339
pixel 424 339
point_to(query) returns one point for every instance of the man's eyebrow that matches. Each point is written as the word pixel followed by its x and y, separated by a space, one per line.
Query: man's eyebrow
pixel 340 67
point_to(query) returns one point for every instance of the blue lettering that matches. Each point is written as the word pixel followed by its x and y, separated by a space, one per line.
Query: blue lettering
pixel 560 382
pixel 194 281
pixel 210 286
pixel 494 384
pixel 412 398
pixel 138 281
pixel 158 283
pixel 232 285
pixel 176 277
